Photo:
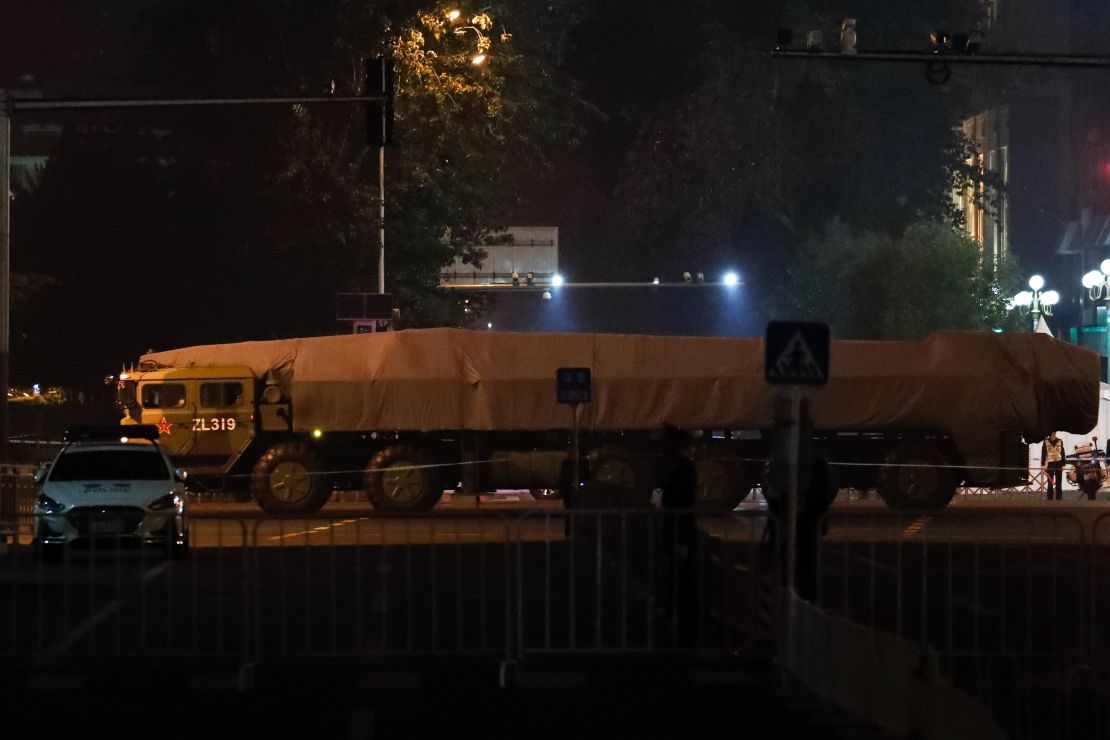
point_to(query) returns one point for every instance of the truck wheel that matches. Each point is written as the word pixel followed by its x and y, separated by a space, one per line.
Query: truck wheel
pixel 398 478
pixel 546 494
pixel 287 480
pixel 619 467
pixel 914 476
pixel 722 481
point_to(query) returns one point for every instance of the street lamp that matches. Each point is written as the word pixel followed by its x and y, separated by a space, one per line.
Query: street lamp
pixel 1097 282
pixel 1037 302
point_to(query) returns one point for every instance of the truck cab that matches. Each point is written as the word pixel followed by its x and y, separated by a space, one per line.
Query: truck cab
pixel 206 417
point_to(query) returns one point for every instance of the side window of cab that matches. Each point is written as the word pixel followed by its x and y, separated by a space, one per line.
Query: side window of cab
pixel 163 395
pixel 221 395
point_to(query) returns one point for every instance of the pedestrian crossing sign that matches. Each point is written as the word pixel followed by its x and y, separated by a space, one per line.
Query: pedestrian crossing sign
pixel 796 353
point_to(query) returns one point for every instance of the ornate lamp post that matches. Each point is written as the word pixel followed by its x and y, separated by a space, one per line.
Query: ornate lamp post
pixel 1097 282
pixel 1037 302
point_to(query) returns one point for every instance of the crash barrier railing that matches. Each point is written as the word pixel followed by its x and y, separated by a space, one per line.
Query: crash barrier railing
pixel 1010 605
pixel 519 588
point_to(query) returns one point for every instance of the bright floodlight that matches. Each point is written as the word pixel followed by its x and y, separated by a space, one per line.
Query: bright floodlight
pixel 731 278
pixel 1050 298
pixel 1024 298
pixel 1105 266
pixel 1094 278
pixel 556 281
pixel 1036 282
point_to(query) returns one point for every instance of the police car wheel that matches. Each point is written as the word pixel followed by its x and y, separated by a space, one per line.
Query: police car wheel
pixel 286 480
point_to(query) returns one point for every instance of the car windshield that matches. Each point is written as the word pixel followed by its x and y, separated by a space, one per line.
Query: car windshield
pixel 110 465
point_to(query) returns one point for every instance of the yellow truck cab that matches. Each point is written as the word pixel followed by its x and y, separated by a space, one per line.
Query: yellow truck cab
pixel 205 415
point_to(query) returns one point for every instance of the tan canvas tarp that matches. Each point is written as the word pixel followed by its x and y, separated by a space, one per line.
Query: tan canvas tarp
pixel 972 385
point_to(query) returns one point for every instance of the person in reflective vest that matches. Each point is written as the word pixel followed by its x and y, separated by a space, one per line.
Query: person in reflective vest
pixel 1052 463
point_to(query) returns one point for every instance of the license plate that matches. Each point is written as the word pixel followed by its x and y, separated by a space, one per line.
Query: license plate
pixel 105 527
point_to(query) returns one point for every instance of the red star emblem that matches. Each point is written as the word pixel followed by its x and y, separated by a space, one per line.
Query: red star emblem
pixel 164 427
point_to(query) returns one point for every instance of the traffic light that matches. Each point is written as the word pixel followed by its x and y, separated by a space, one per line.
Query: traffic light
pixel 379 115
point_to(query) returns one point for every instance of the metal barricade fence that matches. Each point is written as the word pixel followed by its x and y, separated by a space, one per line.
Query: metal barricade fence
pixel 1011 618
pixel 17 499
pixel 508 587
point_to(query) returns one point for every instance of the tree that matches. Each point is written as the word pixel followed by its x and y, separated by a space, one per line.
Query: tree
pixel 869 285
pixel 223 224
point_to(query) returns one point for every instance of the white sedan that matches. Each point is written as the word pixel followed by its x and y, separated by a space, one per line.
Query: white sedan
pixel 114 486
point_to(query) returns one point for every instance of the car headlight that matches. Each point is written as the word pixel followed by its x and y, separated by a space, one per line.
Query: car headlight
pixel 169 501
pixel 47 505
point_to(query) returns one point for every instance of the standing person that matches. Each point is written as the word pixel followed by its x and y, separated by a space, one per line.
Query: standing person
pixel 1052 463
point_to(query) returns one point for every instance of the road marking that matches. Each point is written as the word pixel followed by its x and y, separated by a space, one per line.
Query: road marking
pixel 89 624
pixel 915 526
pixel 80 630
pixel 155 571
pixel 321 528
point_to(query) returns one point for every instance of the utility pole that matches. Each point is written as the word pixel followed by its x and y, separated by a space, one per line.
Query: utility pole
pixel 5 265
pixel 8 106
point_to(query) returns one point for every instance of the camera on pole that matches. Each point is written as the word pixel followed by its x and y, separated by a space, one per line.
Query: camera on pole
pixel 379 114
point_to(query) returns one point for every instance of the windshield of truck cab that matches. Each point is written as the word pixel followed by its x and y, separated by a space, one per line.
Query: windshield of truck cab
pixel 139 464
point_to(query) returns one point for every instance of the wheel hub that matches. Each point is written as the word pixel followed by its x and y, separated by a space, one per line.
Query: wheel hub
pixel 290 482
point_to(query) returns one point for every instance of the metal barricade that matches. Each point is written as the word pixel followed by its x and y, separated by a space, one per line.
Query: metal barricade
pixel 1008 615
pixel 17 500
pixel 446 585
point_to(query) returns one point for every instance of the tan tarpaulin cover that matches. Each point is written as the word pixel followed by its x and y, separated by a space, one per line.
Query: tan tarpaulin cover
pixel 972 385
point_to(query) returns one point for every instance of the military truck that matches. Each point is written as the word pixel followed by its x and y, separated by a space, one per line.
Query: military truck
pixel 404 415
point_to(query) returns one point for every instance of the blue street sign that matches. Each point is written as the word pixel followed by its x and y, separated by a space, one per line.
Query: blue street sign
pixel 573 385
pixel 796 353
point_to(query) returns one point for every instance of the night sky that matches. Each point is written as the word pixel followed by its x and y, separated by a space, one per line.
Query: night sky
pixel 628 66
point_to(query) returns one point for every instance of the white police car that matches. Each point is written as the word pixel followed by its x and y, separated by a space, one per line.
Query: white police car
pixel 111 486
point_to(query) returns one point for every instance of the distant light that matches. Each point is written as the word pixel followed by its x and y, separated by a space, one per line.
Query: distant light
pixel 1050 298
pixel 452 15
pixel 123 439
pixel 489 324
pixel 655 281
pixel 1024 298
pixel 547 295
pixel 35 389
pixel 997 330
pixel 556 281
pixel 1036 282
pixel 1105 267
pixel 317 433
pixel 1093 279
pixel 731 278
pixel 478 59
pixel 700 277
pixel 687 277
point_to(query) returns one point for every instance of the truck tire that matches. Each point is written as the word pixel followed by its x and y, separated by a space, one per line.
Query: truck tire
pixel 723 481
pixel 916 475
pixel 619 467
pixel 287 480
pixel 398 479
